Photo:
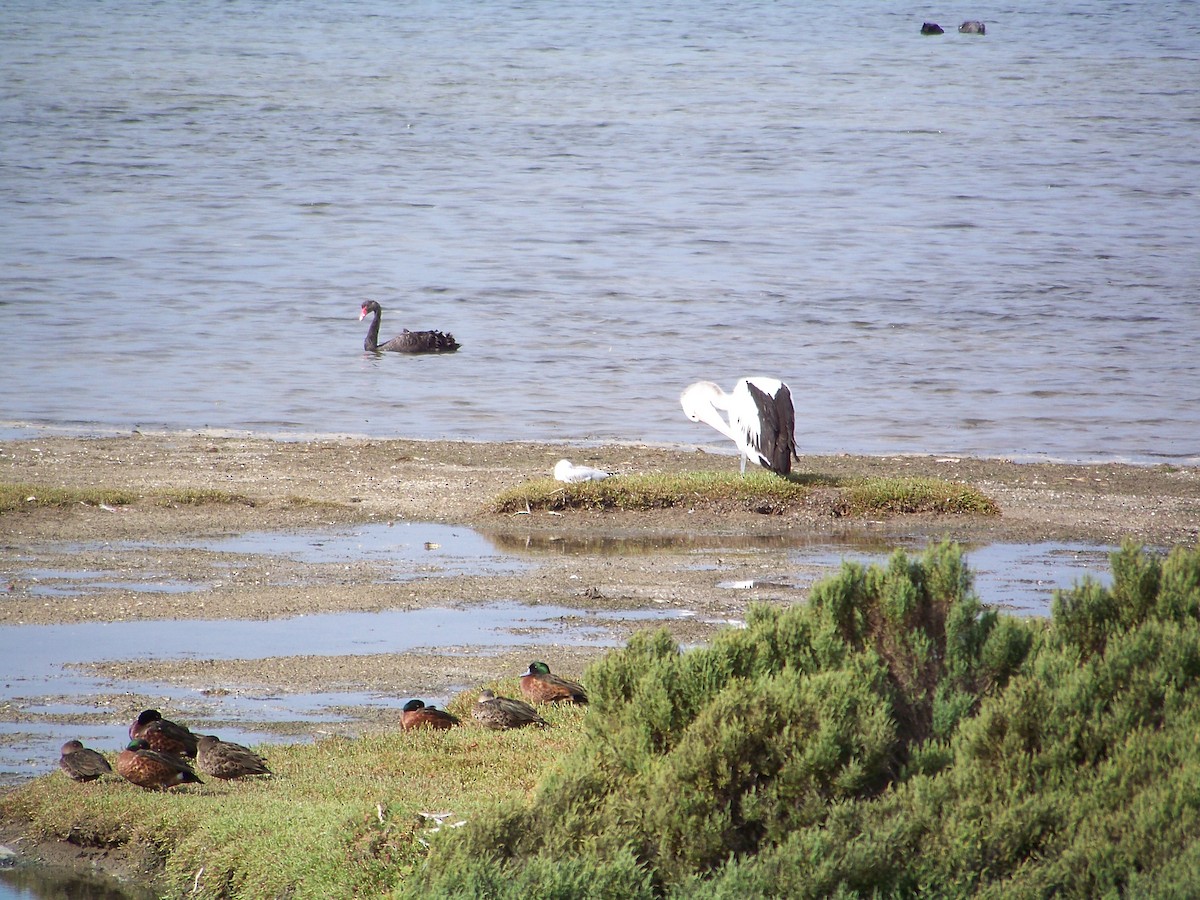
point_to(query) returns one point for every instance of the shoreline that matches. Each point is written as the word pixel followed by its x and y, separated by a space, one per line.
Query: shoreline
pixel 23 432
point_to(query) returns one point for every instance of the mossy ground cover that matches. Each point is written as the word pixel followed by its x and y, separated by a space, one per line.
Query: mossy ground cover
pixel 890 738
pixel 21 495
pixel 756 490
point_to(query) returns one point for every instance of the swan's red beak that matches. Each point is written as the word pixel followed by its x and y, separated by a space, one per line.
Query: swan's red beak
pixel 362 314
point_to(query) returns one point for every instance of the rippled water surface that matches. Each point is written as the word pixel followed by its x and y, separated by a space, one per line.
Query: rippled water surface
pixel 944 244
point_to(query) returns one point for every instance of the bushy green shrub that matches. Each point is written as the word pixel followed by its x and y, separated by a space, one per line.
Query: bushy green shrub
pixel 891 738
pixel 1080 778
pixel 697 760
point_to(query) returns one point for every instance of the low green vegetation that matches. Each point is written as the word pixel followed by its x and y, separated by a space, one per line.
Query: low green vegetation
pixel 339 818
pixel 18 495
pixel 889 738
pixel 21 495
pixel 758 491
pixel 196 497
pixel 914 495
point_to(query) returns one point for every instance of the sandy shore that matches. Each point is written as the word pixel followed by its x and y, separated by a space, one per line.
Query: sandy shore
pixel 598 563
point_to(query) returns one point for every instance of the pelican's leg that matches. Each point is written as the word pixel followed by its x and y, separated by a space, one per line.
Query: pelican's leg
pixel 743 465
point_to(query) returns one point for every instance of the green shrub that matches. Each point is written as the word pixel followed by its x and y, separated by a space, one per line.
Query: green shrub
pixel 697 761
pixel 890 738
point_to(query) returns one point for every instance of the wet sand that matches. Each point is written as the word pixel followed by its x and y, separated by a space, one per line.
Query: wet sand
pixel 597 563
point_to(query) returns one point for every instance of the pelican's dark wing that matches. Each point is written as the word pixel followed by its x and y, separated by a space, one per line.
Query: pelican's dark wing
pixel 777 429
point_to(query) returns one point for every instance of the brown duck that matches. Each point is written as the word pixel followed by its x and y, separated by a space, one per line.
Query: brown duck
pixel 540 686
pixel 409 341
pixel 225 759
pixel 81 763
pixel 152 770
pixel 504 712
pixel 162 734
pixel 417 715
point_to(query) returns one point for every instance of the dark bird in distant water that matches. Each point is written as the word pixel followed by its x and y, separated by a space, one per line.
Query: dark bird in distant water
pixel 417 715
pixel 409 341
pixel 762 421
pixel 932 28
pixel 225 759
pixel 540 686
pixel 152 770
pixel 972 27
pixel 81 763
pixel 162 734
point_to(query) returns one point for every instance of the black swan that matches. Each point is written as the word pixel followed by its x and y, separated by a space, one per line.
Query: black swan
pixel 409 341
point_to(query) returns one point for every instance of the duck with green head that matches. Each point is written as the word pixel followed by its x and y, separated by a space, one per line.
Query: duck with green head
pixel 540 686
pixel 417 715
pixel 151 770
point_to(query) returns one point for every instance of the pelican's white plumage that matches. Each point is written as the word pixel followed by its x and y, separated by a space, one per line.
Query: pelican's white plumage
pixel 565 470
pixel 762 421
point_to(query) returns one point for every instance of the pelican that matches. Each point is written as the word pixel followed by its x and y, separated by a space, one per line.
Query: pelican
pixel 762 421
pixel 565 470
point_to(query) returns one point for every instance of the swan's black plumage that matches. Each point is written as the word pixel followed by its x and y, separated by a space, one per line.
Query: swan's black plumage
pixel 409 341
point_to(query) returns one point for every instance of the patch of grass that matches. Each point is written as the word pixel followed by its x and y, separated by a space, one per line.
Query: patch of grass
pixel 197 497
pixel 916 495
pixel 295 501
pixel 642 492
pixel 340 818
pixel 22 495
pixel 757 490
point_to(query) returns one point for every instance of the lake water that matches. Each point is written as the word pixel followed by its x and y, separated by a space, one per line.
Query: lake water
pixel 953 244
